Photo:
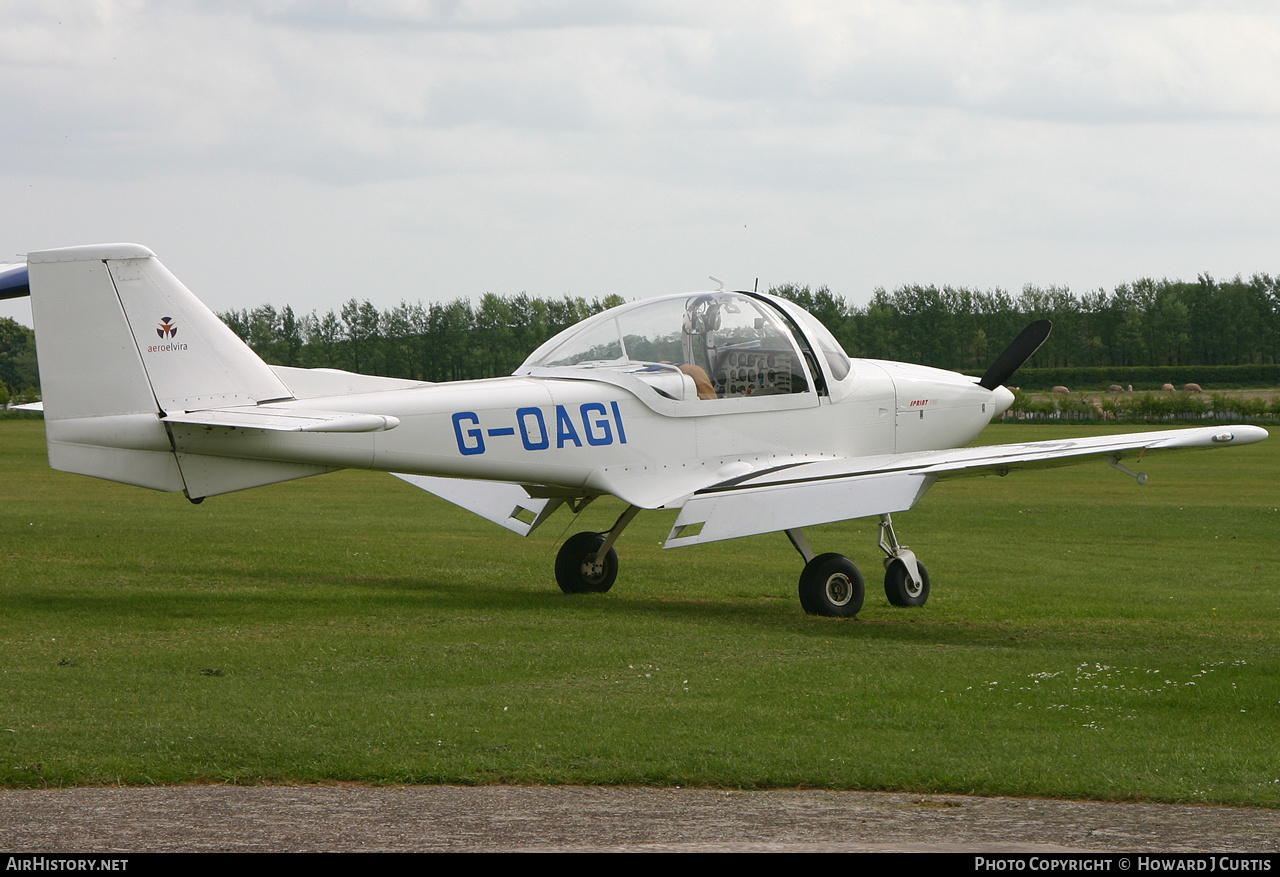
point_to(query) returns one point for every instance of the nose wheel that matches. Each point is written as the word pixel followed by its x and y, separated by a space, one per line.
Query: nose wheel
pixel 906 581
pixel 900 588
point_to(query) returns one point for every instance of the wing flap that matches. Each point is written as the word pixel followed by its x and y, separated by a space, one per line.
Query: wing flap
pixel 768 509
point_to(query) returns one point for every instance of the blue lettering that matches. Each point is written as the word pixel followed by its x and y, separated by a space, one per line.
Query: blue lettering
pixel 597 427
pixel 530 444
pixel 602 423
pixel 476 446
pixel 617 419
pixel 564 428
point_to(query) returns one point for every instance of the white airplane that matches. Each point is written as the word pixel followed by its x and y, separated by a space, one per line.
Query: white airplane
pixel 739 409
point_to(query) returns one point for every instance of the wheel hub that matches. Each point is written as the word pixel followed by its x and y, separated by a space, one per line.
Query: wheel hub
pixel 592 569
pixel 839 589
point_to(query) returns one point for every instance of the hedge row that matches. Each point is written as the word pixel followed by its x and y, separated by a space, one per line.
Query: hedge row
pixel 1149 377
pixel 1146 407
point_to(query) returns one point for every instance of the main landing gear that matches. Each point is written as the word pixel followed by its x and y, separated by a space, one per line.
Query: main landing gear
pixel 583 564
pixel 831 584
pixel 587 562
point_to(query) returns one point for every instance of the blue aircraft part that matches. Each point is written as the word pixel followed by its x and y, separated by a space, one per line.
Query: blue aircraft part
pixel 13 281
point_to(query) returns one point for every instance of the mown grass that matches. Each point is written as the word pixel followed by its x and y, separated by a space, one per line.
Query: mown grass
pixel 1086 638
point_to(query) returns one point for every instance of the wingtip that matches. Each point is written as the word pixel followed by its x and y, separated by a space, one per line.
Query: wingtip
pixel 1245 435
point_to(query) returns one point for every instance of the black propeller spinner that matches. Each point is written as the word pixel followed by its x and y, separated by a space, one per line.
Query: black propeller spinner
pixel 1027 343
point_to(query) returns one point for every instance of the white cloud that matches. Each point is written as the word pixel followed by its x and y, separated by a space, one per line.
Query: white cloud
pixel 636 147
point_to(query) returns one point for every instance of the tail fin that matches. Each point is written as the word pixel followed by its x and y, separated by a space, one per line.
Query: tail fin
pixel 121 343
pixel 117 333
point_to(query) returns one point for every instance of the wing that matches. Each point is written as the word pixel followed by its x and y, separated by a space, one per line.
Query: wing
pixel 807 494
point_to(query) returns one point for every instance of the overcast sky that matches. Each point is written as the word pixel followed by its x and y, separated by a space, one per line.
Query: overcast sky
pixel 308 152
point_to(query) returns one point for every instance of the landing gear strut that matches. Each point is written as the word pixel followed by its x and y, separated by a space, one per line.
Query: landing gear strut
pixel 906 581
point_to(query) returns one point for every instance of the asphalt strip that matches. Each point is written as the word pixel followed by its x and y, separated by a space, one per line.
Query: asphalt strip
pixel 352 818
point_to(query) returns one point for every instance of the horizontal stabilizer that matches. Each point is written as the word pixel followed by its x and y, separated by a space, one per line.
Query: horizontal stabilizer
pixel 281 419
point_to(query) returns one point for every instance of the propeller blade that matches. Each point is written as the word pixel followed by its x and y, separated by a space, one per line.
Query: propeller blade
pixel 1027 343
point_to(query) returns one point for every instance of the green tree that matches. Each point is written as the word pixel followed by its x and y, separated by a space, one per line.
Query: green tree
pixel 17 355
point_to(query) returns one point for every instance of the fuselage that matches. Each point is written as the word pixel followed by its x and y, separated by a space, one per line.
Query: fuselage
pixel 609 432
pixel 649 401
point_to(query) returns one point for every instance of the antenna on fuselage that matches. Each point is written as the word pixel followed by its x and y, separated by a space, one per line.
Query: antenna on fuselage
pixel 718 282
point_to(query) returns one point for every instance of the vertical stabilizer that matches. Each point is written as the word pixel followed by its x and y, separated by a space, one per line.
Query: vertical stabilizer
pixel 116 333
pixel 89 362
pixel 121 342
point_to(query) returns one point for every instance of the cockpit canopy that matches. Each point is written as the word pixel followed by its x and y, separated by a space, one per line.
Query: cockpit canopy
pixel 725 345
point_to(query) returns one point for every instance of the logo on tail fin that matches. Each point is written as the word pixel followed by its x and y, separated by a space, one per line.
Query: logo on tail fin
pixel 167 329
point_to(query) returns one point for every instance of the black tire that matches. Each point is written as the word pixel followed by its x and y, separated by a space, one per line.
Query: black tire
pixel 831 584
pixel 571 563
pixel 899 588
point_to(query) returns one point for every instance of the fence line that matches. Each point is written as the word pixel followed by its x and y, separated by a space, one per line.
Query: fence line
pixel 1095 416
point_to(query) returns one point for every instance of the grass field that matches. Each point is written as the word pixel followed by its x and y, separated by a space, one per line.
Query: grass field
pixel 1086 638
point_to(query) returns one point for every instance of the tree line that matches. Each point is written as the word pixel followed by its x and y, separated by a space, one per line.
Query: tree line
pixel 435 342
pixel 1147 323
pixel 1144 323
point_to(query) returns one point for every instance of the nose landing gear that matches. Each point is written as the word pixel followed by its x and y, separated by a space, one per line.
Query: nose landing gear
pixel 906 581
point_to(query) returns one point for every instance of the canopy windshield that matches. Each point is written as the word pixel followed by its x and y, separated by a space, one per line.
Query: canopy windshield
pixel 729 345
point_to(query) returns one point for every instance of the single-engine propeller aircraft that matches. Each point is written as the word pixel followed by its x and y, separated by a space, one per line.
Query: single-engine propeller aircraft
pixel 739 409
